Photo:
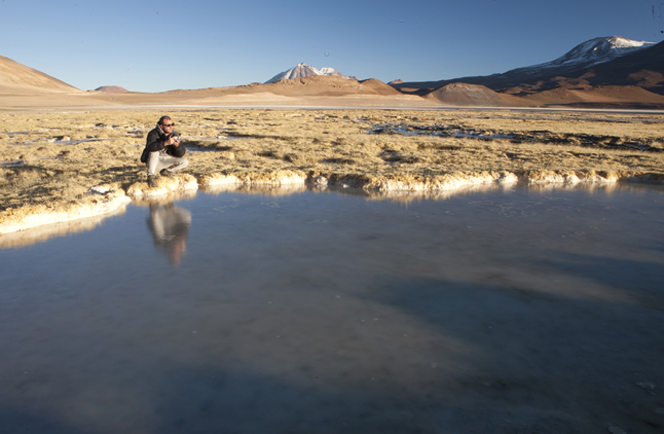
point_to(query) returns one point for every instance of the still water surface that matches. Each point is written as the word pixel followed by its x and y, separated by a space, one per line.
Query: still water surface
pixel 502 311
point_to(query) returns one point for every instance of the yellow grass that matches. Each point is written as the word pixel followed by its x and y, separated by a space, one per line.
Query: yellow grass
pixel 43 168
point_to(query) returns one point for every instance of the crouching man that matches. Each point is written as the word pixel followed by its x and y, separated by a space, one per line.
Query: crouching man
pixel 163 153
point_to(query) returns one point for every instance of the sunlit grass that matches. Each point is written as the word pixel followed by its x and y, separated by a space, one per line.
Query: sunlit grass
pixel 49 160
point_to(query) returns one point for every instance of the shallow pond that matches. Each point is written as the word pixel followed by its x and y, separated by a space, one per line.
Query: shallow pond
pixel 516 310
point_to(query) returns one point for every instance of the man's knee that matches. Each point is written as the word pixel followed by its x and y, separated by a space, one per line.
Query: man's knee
pixel 180 164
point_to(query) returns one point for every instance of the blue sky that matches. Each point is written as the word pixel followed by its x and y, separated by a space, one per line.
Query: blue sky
pixel 154 46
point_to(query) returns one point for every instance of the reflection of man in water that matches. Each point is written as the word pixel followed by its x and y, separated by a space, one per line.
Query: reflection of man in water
pixel 170 226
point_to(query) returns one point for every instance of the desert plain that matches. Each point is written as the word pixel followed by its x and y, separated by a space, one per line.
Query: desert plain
pixel 63 164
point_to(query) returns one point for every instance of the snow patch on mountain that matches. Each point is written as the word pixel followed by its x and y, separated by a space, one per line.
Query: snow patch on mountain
pixel 331 71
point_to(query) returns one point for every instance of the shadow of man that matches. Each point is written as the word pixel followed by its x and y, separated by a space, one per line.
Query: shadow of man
pixel 170 227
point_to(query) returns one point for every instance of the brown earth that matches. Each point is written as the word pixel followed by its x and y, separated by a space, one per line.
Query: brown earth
pixel 462 94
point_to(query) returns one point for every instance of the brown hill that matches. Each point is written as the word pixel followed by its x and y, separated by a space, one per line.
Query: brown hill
pixel 463 94
pixel 315 87
pixel 15 77
pixel 306 91
pixel 321 85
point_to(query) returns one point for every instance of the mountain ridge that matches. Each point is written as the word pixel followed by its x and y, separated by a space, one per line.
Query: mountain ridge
pixel 572 64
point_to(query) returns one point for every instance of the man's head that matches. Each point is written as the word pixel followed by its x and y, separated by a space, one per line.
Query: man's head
pixel 166 124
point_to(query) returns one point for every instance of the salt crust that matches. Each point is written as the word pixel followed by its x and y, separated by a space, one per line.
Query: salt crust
pixel 111 199
pixel 44 232
pixel 165 185
pixel 269 179
pixel 108 200
pixel 448 182
pixel 571 178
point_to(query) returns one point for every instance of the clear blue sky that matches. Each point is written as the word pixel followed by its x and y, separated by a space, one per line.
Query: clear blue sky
pixel 154 46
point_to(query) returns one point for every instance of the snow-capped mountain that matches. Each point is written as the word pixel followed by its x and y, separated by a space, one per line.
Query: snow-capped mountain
pixel 592 52
pixel 574 63
pixel 304 70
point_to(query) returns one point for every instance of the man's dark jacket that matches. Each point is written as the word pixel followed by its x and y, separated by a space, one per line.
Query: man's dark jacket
pixel 155 142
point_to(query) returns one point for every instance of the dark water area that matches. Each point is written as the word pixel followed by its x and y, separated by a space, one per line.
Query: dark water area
pixel 507 311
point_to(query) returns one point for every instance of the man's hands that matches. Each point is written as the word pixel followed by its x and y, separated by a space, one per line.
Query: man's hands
pixel 172 141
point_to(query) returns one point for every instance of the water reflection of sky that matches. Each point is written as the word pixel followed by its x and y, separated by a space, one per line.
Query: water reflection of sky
pixel 513 311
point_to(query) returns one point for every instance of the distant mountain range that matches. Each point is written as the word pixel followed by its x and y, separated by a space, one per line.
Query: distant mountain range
pixel 611 72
